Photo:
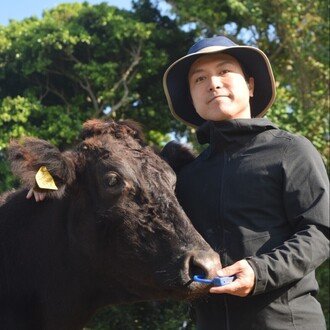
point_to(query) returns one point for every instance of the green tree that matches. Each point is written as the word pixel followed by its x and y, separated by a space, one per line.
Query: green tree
pixel 146 316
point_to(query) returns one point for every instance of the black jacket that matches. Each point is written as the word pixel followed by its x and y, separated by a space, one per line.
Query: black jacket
pixel 260 193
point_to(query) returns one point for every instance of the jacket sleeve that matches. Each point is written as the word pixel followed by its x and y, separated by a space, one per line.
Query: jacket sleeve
pixel 306 203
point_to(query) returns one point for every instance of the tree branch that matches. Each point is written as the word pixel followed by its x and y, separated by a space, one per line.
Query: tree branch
pixel 125 80
pixel 84 84
pixel 88 88
pixel 136 60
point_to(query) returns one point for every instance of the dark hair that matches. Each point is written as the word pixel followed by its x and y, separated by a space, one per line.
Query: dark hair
pixel 246 74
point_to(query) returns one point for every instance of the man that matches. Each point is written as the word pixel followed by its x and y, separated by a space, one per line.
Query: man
pixel 257 194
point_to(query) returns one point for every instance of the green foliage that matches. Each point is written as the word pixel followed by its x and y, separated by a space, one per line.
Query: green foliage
pixel 146 316
pixel 323 278
pixel 6 178
pixel 75 55
pixel 26 116
pixel 301 64
pixel 14 117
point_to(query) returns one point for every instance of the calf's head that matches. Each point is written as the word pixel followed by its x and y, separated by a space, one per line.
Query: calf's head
pixel 125 225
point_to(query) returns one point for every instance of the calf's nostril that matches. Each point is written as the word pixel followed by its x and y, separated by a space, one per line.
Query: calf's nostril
pixel 204 264
pixel 195 269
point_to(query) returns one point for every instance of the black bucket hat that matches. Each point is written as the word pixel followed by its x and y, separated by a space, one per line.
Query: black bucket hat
pixel 254 62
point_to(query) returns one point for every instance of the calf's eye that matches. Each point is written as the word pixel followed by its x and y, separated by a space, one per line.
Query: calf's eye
pixel 113 179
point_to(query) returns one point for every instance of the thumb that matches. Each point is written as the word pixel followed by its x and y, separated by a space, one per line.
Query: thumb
pixel 228 271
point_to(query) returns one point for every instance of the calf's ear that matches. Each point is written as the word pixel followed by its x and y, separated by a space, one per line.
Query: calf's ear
pixel 40 165
pixel 177 155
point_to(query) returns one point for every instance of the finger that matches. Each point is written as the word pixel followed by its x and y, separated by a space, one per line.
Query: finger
pixel 42 196
pixel 29 194
pixel 235 288
pixel 229 288
pixel 36 196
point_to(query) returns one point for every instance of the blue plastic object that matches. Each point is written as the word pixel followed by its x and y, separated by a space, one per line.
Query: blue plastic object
pixel 216 281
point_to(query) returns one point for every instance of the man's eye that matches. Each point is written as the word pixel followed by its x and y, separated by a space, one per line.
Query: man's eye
pixel 199 79
pixel 223 72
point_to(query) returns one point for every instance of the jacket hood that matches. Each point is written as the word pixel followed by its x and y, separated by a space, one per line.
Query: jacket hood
pixel 223 133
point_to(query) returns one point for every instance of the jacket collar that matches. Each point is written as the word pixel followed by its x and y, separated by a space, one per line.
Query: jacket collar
pixel 228 132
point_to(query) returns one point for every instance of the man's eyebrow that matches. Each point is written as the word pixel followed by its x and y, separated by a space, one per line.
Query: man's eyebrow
pixel 197 70
pixel 225 62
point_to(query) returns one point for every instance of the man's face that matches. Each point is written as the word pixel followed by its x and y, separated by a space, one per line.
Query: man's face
pixel 218 88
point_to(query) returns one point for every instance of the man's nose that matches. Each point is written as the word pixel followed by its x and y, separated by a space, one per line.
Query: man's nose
pixel 215 83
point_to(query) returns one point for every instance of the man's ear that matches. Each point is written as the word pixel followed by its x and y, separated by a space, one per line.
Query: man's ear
pixel 56 170
pixel 177 155
pixel 251 86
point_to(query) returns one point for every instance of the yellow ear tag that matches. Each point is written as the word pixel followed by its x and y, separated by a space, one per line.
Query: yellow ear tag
pixel 45 180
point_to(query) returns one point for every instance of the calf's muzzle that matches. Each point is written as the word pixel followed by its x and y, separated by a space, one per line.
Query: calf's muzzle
pixel 201 262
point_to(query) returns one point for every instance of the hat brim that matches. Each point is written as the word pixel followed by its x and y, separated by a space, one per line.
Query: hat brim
pixel 254 62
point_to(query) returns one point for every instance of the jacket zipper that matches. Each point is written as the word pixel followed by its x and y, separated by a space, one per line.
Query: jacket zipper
pixel 222 230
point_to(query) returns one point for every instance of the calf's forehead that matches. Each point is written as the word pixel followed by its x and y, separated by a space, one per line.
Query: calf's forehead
pixel 132 161
pixel 145 165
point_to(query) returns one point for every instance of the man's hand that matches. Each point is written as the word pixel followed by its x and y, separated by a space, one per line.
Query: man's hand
pixel 39 197
pixel 244 282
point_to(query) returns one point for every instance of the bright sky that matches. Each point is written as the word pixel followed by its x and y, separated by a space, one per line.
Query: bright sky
pixel 19 9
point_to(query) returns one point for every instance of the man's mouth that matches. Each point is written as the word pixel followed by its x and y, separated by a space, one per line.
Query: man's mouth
pixel 217 97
